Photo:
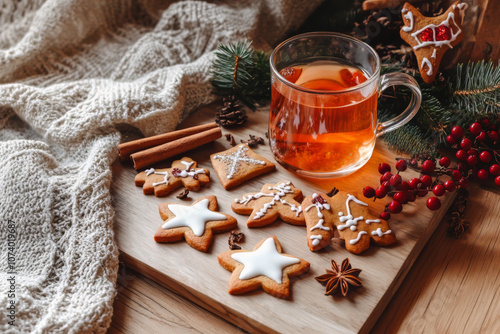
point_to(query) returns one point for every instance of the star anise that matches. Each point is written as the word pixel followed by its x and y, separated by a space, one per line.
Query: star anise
pixel 343 277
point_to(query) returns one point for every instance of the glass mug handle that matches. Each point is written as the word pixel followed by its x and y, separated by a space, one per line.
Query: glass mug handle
pixel 400 79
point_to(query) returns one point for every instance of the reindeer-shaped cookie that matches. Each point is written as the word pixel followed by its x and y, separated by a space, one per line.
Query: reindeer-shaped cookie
pixel 163 181
pixel 349 216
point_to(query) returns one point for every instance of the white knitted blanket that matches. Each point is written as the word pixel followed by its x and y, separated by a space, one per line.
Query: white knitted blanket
pixel 71 71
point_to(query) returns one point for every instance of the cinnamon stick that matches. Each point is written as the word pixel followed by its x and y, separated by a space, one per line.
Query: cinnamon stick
pixel 128 148
pixel 158 153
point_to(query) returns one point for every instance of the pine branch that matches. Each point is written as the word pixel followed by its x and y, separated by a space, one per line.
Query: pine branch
pixel 409 139
pixel 239 70
pixel 477 88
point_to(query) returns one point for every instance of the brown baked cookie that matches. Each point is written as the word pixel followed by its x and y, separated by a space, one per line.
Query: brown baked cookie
pixel 352 219
pixel 239 164
pixel 273 201
pixel 319 221
pixel 431 37
pixel 266 266
pixel 196 223
pixel 163 181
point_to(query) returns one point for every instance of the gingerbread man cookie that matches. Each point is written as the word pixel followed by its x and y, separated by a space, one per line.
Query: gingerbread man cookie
pixel 238 165
pixel 266 266
pixel 350 217
pixel 163 181
pixel 196 223
pixel 431 37
pixel 273 201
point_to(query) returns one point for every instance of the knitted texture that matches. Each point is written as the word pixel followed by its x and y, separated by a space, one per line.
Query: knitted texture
pixel 71 72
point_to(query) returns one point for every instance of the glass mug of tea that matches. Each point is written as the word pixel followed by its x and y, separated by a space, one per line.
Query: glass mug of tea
pixel 323 120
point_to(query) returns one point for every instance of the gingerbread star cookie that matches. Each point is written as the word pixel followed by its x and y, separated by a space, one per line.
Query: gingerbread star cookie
pixel 163 181
pixel 238 165
pixel 431 37
pixel 266 266
pixel 350 217
pixel 273 201
pixel 196 223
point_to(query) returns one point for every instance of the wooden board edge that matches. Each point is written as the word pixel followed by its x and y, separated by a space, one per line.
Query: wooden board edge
pixel 228 314
pixel 406 267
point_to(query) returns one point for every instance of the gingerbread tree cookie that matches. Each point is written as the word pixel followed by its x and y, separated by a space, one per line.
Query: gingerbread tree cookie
pixel 238 165
pixel 273 201
pixel 266 266
pixel 431 37
pixel 163 181
pixel 196 223
pixel 350 217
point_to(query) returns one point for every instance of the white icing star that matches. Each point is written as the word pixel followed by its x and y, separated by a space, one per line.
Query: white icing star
pixel 194 216
pixel 266 260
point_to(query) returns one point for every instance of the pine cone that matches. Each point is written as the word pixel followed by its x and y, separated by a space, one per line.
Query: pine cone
pixel 231 114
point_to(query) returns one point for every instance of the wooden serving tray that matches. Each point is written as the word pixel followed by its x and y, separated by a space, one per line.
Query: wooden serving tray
pixel 198 276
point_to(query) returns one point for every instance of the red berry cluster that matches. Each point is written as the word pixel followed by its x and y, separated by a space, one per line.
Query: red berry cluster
pixel 478 151
pixel 403 191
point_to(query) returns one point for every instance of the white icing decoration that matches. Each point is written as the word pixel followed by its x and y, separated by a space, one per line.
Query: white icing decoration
pixel 461 7
pixel 265 260
pixel 233 160
pixel 420 44
pixel 320 226
pixel 153 171
pixel 380 233
pixel 186 172
pixel 350 221
pixel 355 241
pixel 426 61
pixel 319 206
pixel 409 16
pixel 194 216
pixel 281 190
pixel 434 55
pixel 368 221
pixel 293 207
pixel 315 239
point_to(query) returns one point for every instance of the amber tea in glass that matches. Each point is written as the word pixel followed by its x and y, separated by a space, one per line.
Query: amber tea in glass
pixel 323 119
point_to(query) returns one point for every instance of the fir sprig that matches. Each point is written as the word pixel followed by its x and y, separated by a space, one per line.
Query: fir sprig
pixel 477 88
pixel 408 139
pixel 241 71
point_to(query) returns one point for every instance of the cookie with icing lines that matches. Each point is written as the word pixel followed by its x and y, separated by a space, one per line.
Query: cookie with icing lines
pixel 431 37
pixel 161 182
pixel 196 223
pixel 239 164
pixel 352 219
pixel 266 266
pixel 274 201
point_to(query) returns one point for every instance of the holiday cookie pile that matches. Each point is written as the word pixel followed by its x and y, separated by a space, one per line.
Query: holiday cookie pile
pixel 265 267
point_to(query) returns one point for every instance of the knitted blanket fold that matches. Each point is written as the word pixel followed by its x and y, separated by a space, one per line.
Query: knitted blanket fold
pixel 71 71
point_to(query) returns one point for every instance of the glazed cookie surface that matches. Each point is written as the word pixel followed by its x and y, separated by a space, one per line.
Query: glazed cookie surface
pixel 239 164
pixel 196 223
pixel 266 266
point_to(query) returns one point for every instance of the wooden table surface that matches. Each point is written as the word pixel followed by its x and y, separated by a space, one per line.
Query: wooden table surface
pixel 452 287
